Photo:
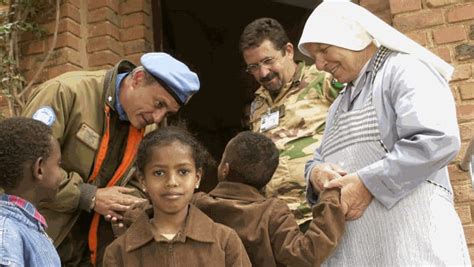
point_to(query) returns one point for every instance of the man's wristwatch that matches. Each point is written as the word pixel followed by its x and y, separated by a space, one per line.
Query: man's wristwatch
pixel 92 206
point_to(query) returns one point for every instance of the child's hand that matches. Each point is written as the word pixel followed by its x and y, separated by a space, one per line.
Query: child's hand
pixel 323 173
pixel 115 220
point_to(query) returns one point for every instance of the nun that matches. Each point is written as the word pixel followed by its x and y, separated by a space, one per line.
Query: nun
pixel 389 137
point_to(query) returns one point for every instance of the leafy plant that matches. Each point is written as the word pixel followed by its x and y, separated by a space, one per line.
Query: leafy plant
pixel 21 17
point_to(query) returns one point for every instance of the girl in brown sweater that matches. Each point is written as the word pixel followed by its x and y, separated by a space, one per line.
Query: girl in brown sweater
pixel 173 232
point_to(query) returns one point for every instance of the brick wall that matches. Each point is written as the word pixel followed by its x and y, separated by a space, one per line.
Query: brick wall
pixel 446 27
pixel 93 34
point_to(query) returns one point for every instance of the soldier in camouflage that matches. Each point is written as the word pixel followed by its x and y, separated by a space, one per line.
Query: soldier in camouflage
pixel 290 107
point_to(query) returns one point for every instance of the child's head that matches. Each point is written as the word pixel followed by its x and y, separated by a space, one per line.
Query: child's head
pixel 30 158
pixel 249 158
pixel 169 164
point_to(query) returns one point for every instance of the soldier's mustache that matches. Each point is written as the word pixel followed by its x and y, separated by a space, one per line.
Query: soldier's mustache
pixel 268 78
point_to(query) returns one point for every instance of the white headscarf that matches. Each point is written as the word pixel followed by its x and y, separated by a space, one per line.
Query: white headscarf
pixel 347 25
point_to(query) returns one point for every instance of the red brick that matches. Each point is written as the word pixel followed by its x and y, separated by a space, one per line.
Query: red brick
pixel 465 112
pixel 30 62
pixel 76 3
pixel 401 6
pixel 3 100
pixel 102 58
pixel 137 32
pixel 458 176
pixel 464 212
pixel 461 72
pixel 41 78
pixel 113 4
pixel 443 52
pixel 463 193
pixel 420 37
pixel 103 14
pixel 467 131
pixel 460 13
pixel 438 3
pixel 449 34
pixel 127 7
pixel 385 16
pixel 375 5
pixel 33 47
pixel 136 46
pixel 63 56
pixel 58 70
pixel 418 20
pixel 70 11
pixel 467 91
pixel 469 233
pixel 135 58
pixel 65 25
pixel 138 18
pixel 104 43
pixel 103 28
pixel 66 39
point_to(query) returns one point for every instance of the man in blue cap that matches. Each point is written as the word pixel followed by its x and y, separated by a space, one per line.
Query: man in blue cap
pixel 99 119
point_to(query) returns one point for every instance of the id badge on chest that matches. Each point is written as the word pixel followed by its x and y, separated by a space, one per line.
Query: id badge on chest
pixel 269 121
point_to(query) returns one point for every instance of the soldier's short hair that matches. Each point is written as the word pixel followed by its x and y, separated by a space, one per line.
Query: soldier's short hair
pixel 252 159
pixel 263 29
pixel 22 142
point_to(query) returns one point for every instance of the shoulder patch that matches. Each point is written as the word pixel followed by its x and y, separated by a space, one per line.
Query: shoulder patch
pixel 45 115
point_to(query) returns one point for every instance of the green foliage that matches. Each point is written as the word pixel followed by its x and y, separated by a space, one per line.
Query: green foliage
pixel 19 17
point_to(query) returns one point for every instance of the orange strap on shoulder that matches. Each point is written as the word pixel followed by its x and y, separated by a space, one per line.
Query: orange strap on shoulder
pixel 104 145
pixel 133 140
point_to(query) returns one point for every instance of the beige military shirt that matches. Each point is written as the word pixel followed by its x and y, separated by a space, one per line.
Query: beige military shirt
pixel 295 121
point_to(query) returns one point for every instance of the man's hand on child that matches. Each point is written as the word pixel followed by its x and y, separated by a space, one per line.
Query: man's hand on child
pixel 115 200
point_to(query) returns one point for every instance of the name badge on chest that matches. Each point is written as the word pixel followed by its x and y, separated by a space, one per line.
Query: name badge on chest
pixel 270 121
pixel 88 136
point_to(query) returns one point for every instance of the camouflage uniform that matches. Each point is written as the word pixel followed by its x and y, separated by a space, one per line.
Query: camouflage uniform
pixel 302 104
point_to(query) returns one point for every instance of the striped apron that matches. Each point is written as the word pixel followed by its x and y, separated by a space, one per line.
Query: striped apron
pixel 421 229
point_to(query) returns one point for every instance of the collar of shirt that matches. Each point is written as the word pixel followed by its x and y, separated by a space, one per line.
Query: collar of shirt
pixel 197 226
pixel 118 105
pixel 238 191
pixel 355 90
pixel 295 82
pixel 26 206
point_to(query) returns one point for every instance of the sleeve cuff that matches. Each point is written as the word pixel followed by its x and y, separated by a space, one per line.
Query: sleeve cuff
pixel 378 186
pixel 87 193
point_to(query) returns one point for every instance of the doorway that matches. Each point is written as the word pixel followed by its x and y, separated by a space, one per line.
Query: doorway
pixel 205 35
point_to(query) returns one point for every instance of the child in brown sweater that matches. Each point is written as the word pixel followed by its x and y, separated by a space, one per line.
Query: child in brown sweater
pixel 173 232
pixel 267 227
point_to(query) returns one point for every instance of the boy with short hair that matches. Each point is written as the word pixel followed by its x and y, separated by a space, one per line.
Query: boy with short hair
pixel 267 227
pixel 29 174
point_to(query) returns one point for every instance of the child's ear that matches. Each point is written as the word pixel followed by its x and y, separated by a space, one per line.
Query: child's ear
pixel 37 169
pixel 225 169
pixel 199 173
pixel 141 180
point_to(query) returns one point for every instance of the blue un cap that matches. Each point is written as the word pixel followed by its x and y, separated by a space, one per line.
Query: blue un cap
pixel 175 77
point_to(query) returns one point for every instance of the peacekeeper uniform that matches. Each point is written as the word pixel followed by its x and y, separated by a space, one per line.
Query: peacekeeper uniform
pixel 295 122
pixel 79 106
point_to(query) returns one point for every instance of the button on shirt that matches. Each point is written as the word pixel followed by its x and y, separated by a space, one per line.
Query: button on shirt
pixel 23 241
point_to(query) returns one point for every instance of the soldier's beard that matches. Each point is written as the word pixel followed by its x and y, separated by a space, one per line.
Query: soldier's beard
pixel 273 88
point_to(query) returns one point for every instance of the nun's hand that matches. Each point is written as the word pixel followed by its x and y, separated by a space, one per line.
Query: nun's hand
pixel 353 193
pixel 323 173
